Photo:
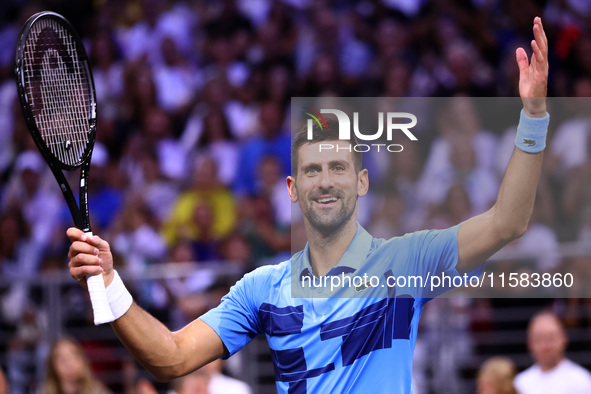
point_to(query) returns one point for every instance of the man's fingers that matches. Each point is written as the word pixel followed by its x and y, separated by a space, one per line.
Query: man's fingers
pixel 85 259
pixel 539 56
pixel 543 33
pixel 522 61
pixel 79 273
pixel 82 247
pixel 539 36
pixel 98 242
pixel 75 234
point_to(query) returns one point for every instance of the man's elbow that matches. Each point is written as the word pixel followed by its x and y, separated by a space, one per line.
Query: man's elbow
pixel 509 226
pixel 165 374
pixel 508 233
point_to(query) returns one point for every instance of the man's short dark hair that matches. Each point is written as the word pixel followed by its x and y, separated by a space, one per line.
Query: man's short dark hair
pixel 318 135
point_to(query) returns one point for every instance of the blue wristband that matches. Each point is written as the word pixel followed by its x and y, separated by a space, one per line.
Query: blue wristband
pixel 531 133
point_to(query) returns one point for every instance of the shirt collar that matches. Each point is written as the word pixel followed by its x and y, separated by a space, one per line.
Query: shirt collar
pixel 352 259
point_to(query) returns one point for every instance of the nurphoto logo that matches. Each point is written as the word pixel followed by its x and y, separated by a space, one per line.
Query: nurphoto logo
pixel 395 122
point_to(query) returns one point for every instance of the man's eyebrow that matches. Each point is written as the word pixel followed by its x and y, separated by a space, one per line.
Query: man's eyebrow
pixel 310 165
pixel 343 163
pixel 331 163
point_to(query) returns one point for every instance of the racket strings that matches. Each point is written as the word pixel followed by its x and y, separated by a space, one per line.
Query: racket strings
pixel 59 89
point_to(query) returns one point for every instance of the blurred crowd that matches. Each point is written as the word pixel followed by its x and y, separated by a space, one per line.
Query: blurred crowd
pixel 193 137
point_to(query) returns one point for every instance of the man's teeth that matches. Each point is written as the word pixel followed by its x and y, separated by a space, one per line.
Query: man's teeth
pixel 327 200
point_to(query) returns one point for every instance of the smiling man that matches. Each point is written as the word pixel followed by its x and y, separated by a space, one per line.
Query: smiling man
pixel 346 339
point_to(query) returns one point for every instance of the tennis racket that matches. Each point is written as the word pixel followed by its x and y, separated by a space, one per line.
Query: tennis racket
pixel 56 93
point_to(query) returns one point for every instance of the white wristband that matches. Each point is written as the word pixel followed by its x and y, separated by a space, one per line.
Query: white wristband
pixel 119 298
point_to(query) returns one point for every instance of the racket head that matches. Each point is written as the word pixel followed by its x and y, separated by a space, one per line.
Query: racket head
pixel 56 90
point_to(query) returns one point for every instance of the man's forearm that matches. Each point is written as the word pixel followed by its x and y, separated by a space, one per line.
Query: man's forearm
pixel 517 194
pixel 165 354
pixel 515 201
pixel 149 341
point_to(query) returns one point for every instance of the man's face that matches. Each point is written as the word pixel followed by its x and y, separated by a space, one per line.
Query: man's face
pixel 327 186
pixel 547 341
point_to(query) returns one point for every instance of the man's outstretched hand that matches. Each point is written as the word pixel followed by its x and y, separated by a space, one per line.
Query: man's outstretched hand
pixel 89 256
pixel 533 75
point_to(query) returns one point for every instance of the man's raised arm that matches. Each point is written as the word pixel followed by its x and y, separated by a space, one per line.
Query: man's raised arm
pixel 483 235
pixel 165 354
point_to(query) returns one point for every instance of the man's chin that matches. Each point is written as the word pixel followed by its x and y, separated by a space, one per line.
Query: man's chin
pixel 327 227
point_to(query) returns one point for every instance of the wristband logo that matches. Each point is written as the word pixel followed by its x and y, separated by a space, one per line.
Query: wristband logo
pixel 391 119
pixel 529 142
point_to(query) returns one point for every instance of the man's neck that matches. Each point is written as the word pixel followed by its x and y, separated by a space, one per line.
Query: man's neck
pixel 549 367
pixel 327 250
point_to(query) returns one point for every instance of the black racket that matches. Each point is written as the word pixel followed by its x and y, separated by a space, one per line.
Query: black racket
pixel 56 92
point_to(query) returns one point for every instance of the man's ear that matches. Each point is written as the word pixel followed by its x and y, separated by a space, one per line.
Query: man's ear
pixel 362 183
pixel 291 189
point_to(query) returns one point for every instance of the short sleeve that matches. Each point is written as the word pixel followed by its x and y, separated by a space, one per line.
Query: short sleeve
pixel 435 253
pixel 236 319
pixel 437 249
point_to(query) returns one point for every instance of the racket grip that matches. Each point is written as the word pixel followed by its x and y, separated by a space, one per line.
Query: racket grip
pixel 98 298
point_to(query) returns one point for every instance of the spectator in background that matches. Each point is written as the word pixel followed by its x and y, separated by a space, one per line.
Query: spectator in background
pixel 207 189
pixel 107 71
pixel 265 235
pixel 207 246
pixel 8 107
pixel 139 93
pixel 143 38
pixel 496 376
pixel 136 235
pixel 464 72
pixel 188 293
pixel 570 163
pixel 104 198
pixel 405 172
pixel 455 209
pixel 158 131
pixel 27 347
pixel 236 249
pixel 241 114
pixel 271 184
pixel 68 371
pixel 552 372
pixel 459 119
pixel 27 192
pixel 480 183
pixel 275 40
pixel 273 140
pixel 216 141
pixel 176 80
pixel 210 380
pixel 193 383
pixel 279 87
pixel 570 144
pixel 158 192
pixel 19 257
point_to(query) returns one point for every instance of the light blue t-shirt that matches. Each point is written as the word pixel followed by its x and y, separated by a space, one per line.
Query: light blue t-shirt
pixel 361 338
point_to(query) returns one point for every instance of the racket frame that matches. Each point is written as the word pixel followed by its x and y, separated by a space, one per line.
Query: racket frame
pixel 79 212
